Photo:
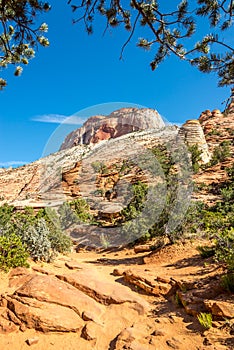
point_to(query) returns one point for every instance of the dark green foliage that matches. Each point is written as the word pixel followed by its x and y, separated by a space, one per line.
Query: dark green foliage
pixel 139 190
pixel 20 33
pixel 163 157
pixel 170 31
pixel 224 251
pixel 81 209
pixel 5 214
pixel 220 153
pixel 214 132
pixel 195 157
pixel 218 223
pixel 12 252
pixel 227 282
pixel 206 252
pixel 162 201
pixel 41 233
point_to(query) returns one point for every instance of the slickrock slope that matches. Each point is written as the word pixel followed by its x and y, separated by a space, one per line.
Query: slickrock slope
pixel 55 178
pixel 118 123
pixel 31 182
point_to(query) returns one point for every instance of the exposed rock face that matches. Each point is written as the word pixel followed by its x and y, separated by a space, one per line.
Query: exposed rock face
pixel 193 134
pixel 118 123
pixel 67 303
pixel 217 127
pixel 53 179
pixel 90 282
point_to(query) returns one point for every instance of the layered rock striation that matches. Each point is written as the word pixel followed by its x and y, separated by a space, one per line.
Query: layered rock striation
pixel 118 123
pixel 217 127
pixel 55 178
pixel 192 133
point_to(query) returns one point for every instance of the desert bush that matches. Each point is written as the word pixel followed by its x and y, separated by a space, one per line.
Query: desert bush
pixel 41 233
pixel 81 209
pixel 36 238
pixel 6 212
pixel 59 240
pixel 220 153
pixel 135 206
pixel 224 250
pixel 227 282
pixel 13 252
pixel 206 252
pixel 195 157
pixel 67 217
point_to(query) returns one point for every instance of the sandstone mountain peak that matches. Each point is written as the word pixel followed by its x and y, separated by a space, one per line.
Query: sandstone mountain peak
pixel 26 185
pixel 120 122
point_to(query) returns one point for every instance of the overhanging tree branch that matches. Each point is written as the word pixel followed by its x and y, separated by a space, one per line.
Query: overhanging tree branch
pixel 171 31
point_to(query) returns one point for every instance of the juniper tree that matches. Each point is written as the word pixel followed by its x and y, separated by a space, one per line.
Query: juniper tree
pixel 165 32
pixel 19 33
pixel 170 32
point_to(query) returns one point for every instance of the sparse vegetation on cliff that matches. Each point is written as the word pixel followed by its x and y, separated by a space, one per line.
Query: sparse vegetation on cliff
pixel 220 153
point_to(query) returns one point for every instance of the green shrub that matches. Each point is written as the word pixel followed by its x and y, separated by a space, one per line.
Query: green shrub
pixel 97 166
pixel 195 157
pixel 206 252
pixel 205 319
pixel 41 233
pixel 6 212
pixel 163 157
pixel 227 282
pixel 220 153
pixel 67 217
pixel 12 252
pixel 81 210
pixel 37 241
pixel 136 205
pixel 59 240
pixel 224 250
pixel 214 132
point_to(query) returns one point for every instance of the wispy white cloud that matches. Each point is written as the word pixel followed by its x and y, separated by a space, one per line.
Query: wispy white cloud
pixel 12 163
pixel 59 119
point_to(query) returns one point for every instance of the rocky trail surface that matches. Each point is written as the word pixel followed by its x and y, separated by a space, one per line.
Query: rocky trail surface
pixel 117 300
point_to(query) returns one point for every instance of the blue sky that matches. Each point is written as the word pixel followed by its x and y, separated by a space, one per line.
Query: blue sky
pixel 79 71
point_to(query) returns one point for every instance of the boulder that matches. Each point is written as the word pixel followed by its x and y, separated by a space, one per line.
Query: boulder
pixel 44 316
pixel 150 284
pixel 50 289
pixel 6 326
pixel 220 308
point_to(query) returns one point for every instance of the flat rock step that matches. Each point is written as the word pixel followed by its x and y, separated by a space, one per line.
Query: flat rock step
pixel 44 316
pixel 106 292
pixel 52 290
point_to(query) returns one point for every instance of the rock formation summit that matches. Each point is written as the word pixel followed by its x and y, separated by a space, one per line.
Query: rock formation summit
pixel 57 177
pixel 192 133
pixel 120 122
